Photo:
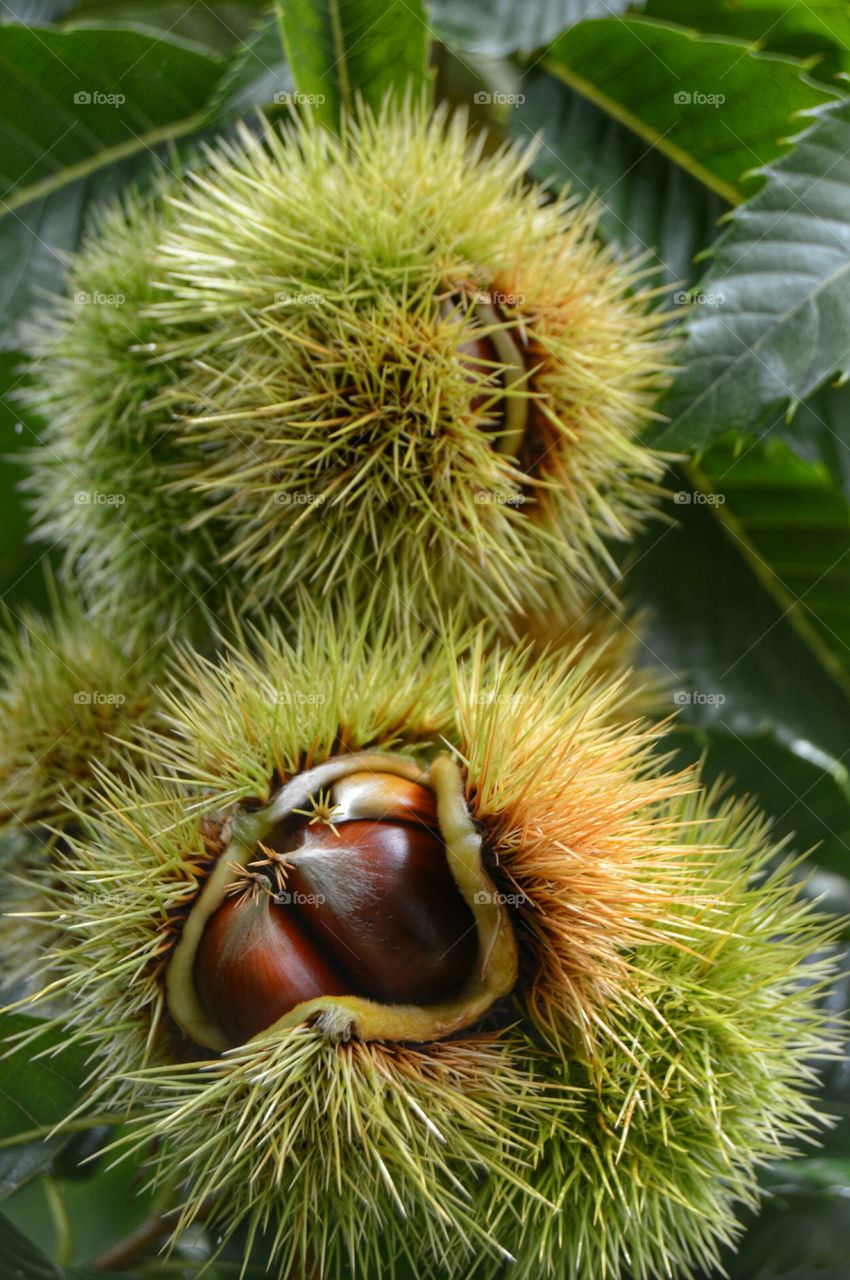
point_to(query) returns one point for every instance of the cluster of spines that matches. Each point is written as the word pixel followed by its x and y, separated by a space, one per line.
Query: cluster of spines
pixel 597 1107
pixel 296 407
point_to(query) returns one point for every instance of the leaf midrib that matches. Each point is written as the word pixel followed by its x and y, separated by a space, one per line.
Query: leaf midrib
pixel 654 137
pixel 98 160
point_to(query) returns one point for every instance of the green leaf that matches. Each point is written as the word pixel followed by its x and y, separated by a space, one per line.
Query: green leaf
pixel 257 75
pixel 711 106
pixel 220 28
pixel 799 1235
pixel 749 688
pixel 815 29
pixel 75 101
pixel 780 280
pixel 101 1206
pixel 36 1093
pixel 647 202
pixel 595 116
pixel 819 432
pixel 339 49
pixel 792 521
pixel 60 154
pixel 22 1260
pixel 499 27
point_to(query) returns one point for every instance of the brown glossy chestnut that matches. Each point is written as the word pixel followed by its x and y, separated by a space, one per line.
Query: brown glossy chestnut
pixel 255 962
pixel 383 901
pixel 354 897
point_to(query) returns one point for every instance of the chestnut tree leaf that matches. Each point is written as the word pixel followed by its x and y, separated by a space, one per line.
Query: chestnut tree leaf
pixel 751 690
pixel 23 1260
pixel 36 1093
pixel 792 521
pixel 222 27
pixel 72 102
pixel 80 113
pixel 713 106
pixel 341 51
pixel 816 29
pixel 778 319
pixel 604 105
pixel 499 27
pixel 257 75
pixel 647 202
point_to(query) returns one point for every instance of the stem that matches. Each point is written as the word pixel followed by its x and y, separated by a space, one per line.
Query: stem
pixel 73 1126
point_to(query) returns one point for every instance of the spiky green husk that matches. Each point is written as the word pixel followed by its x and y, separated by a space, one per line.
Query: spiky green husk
pixel 106 444
pixel 74 690
pixel 704 1076
pixel 659 1045
pixel 297 401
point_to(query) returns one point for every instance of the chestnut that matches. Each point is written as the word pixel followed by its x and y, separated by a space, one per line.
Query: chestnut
pixel 381 898
pixel 255 962
pixel 354 896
